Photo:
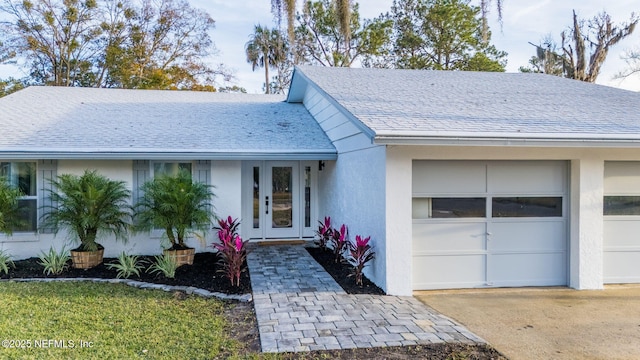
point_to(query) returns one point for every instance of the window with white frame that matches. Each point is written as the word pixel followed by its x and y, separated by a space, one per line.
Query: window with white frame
pixel 23 176
pixel 171 168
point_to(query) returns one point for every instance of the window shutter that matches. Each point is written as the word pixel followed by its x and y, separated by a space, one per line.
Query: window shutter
pixel 47 171
pixel 140 176
pixel 203 171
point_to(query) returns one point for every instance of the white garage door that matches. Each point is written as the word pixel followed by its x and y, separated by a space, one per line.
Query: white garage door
pixel 622 222
pixel 483 224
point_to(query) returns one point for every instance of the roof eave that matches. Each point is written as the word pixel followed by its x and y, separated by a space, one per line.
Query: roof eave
pixel 167 155
pixel 601 141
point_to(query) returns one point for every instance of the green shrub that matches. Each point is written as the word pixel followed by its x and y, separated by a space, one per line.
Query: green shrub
pixel 127 265
pixel 5 262
pixel 9 207
pixel 54 262
pixel 164 264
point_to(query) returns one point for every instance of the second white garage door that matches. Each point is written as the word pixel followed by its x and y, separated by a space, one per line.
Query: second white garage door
pixel 484 224
pixel 622 222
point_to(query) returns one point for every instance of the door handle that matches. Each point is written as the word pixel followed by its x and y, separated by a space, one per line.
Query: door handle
pixel 266 204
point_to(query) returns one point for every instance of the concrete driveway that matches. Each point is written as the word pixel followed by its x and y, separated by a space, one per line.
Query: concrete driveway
pixel 548 323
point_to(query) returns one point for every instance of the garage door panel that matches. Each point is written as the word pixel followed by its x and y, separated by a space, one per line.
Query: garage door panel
pixel 527 269
pixel 621 177
pixel 623 233
pixel 528 236
pixel 448 237
pixel 455 177
pixel 622 266
pixel 448 272
pixel 526 178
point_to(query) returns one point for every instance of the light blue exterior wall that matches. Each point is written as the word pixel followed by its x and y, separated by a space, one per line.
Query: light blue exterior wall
pixel 352 189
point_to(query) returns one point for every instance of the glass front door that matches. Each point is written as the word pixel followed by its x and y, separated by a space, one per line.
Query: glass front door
pixel 281 200
pixel 281 214
pixel 279 197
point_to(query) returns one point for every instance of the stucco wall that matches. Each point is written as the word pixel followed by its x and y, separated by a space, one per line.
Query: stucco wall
pixel 398 220
pixel 352 191
pixel 225 177
pixel 587 224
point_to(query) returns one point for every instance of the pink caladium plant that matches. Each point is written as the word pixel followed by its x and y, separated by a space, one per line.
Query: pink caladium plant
pixel 360 254
pixel 231 249
pixel 340 242
pixel 324 232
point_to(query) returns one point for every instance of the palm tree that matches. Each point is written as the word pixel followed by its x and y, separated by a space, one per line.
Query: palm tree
pixel 88 206
pixel 265 49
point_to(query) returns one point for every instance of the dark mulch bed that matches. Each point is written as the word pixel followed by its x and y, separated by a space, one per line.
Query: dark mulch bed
pixel 431 352
pixel 202 274
pixel 341 273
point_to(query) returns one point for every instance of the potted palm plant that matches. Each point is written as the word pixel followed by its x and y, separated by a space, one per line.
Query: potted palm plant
pixel 178 206
pixel 9 207
pixel 89 206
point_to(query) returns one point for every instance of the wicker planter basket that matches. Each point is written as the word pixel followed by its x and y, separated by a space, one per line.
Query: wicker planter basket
pixel 86 259
pixel 182 257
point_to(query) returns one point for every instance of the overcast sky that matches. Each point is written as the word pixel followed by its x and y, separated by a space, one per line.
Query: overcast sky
pixel 524 21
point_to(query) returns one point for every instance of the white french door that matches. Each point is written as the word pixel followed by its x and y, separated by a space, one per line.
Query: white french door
pixel 278 199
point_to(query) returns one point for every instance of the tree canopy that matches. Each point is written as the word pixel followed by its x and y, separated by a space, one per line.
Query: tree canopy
pixel 548 59
pixel 320 40
pixel 442 35
pixel 583 50
pixel 138 44
pixel 287 8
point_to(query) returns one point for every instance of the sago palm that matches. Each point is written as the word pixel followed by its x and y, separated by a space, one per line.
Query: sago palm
pixel 176 205
pixel 89 206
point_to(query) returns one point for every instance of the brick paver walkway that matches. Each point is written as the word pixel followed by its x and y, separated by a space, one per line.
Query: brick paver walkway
pixel 301 308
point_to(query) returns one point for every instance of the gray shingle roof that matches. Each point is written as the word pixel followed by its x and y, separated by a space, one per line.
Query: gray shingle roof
pixel 419 103
pixel 119 123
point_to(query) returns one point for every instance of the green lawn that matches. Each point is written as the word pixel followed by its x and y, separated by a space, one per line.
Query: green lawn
pixel 111 321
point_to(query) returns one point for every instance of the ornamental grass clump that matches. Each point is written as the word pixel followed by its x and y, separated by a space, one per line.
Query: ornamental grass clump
pixel 55 262
pixel 231 249
pixel 5 262
pixel 360 253
pixel 340 242
pixel 324 232
pixel 164 264
pixel 127 265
